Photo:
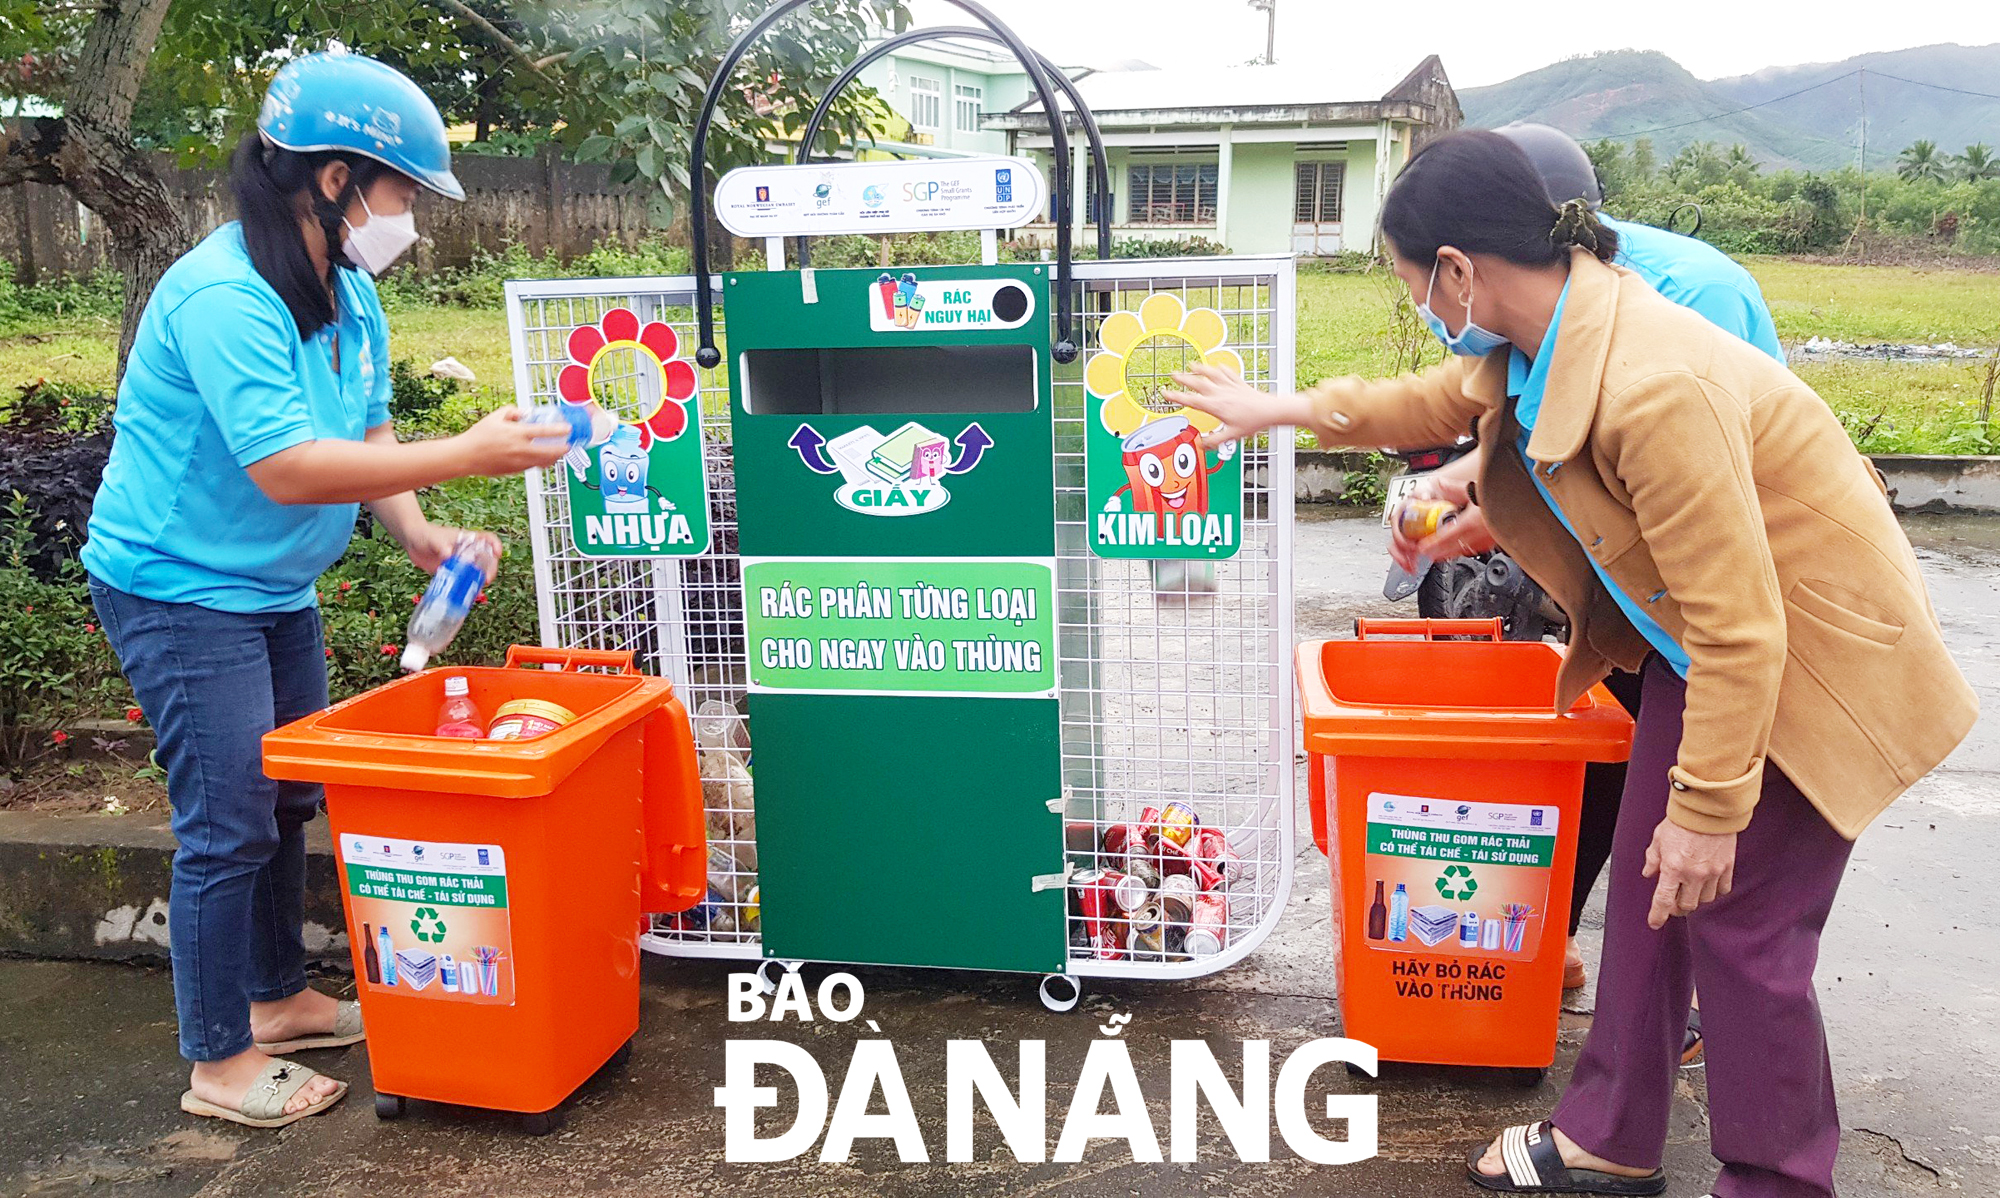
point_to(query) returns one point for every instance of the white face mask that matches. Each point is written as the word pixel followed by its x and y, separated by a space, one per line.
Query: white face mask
pixel 376 243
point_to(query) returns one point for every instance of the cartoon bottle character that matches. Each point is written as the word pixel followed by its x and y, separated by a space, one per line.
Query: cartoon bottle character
pixel 1166 470
pixel 622 466
pixel 929 460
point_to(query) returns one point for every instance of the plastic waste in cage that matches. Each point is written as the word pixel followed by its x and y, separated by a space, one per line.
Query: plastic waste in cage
pixel 987 655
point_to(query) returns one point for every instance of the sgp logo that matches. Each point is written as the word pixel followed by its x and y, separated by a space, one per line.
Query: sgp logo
pixel 921 190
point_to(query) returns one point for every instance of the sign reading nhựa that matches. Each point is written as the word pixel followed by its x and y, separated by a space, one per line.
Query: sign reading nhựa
pixel 964 626
pixel 639 488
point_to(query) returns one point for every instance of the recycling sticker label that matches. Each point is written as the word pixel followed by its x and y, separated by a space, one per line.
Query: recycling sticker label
pixel 428 919
pixel 1458 878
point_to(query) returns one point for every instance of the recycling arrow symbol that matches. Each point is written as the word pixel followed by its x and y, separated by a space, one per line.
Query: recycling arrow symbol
pixel 428 925
pixel 1457 883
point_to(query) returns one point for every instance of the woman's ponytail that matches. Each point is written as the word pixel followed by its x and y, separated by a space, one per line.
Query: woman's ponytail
pixel 1577 225
pixel 268 183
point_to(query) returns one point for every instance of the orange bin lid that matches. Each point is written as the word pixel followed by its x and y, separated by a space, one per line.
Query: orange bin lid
pixel 385 737
pixel 1490 698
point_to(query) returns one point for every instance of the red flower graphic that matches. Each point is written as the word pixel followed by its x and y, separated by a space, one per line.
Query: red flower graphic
pixel 657 341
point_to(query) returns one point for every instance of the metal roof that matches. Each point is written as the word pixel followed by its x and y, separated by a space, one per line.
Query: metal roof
pixel 1282 93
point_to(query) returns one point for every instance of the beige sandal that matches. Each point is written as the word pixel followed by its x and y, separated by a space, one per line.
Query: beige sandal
pixel 264 1103
pixel 346 1030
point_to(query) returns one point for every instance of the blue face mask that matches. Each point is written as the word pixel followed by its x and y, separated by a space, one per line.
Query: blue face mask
pixel 1472 341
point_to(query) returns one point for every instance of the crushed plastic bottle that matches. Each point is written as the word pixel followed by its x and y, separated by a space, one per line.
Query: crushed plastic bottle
pixel 587 427
pixel 445 602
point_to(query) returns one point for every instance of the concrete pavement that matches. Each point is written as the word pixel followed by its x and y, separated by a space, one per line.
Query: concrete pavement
pixel 1910 977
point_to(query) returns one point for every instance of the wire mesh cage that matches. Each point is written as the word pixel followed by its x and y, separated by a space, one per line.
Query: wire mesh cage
pixel 1173 675
pixel 1175 686
pixel 681 618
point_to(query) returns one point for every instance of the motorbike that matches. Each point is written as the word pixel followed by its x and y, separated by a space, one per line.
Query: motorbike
pixel 1476 587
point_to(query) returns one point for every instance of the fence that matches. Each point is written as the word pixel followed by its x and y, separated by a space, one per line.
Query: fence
pixel 545 203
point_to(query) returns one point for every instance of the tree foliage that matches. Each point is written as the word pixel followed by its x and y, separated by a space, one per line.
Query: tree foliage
pixel 616 81
pixel 1921 160
pixel 1977 163
pixel 1748 210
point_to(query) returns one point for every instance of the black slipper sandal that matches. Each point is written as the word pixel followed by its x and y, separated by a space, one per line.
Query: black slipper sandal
pixel 1535 1166
pixel 1691 1043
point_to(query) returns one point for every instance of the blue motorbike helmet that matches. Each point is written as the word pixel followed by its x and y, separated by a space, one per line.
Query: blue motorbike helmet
pixel 354 104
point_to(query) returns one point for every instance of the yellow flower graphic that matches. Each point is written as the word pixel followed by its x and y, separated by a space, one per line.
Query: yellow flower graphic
pixel 1161 336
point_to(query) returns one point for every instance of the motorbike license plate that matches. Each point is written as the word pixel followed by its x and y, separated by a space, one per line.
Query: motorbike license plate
pixel 1399 489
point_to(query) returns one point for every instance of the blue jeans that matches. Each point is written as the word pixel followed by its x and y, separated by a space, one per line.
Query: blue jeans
pixel 212 684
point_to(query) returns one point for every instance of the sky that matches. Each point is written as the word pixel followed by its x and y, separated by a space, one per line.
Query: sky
pixel 1479 43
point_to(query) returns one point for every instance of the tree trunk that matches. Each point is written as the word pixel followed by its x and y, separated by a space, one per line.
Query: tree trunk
pixel 90 153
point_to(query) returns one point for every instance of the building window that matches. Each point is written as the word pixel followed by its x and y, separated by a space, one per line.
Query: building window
pixel 1172 193
pixel 1317 196
pixel 926 102
pixel 968 101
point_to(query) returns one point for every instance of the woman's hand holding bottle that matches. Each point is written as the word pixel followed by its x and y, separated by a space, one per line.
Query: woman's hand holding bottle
pixel 502 443
pixel 430 545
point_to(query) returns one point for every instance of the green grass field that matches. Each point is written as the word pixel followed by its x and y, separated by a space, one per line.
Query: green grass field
pixel 1345 327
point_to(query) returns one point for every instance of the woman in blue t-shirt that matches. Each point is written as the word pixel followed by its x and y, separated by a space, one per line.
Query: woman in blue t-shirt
pixel 252 421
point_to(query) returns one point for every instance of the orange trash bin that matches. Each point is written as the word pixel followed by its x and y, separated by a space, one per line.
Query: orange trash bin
pixel 494 889
pixel 1445 792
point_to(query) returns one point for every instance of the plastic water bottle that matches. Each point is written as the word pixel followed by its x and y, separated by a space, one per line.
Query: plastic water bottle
pixel 460 717
pixel 445 602
pixel 585 426
pixel 1399 914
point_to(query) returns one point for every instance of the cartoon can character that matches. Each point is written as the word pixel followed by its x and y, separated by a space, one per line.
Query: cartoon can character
pixel 929 459
pixel 622 468
pixel 1166 470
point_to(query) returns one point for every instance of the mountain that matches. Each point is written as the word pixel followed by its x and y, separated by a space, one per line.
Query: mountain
pixel 1899 112
pixel 1623 94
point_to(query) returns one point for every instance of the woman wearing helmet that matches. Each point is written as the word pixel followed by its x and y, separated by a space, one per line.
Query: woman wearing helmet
pixel 252 420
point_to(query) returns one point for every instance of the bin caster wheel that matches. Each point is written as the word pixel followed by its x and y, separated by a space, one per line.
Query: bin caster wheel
pixel 619 1059
pixel 1528 1079
pixel 390 1106
pixel 541 1123
pixel 1061 992
pixel 1356 1071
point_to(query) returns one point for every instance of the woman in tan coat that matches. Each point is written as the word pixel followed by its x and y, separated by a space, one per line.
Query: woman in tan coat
pixel 1700 514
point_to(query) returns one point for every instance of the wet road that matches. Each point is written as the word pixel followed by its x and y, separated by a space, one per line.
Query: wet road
pixel 1910 977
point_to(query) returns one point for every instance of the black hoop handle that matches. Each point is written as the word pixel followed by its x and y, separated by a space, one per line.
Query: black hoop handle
pixel 1100 162
pixel 1064 350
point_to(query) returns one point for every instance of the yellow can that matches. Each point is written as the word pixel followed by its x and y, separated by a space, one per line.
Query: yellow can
pixel 525 719
pixel 1419 518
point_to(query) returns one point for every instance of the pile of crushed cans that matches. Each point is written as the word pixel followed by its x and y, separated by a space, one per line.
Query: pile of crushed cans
pixel 1160 892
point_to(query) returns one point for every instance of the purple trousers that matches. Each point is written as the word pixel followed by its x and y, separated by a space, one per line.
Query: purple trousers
pixel 1751 954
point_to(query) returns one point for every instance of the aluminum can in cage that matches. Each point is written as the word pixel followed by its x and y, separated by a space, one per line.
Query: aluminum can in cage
pixel 1178 823
pixel 1209 932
